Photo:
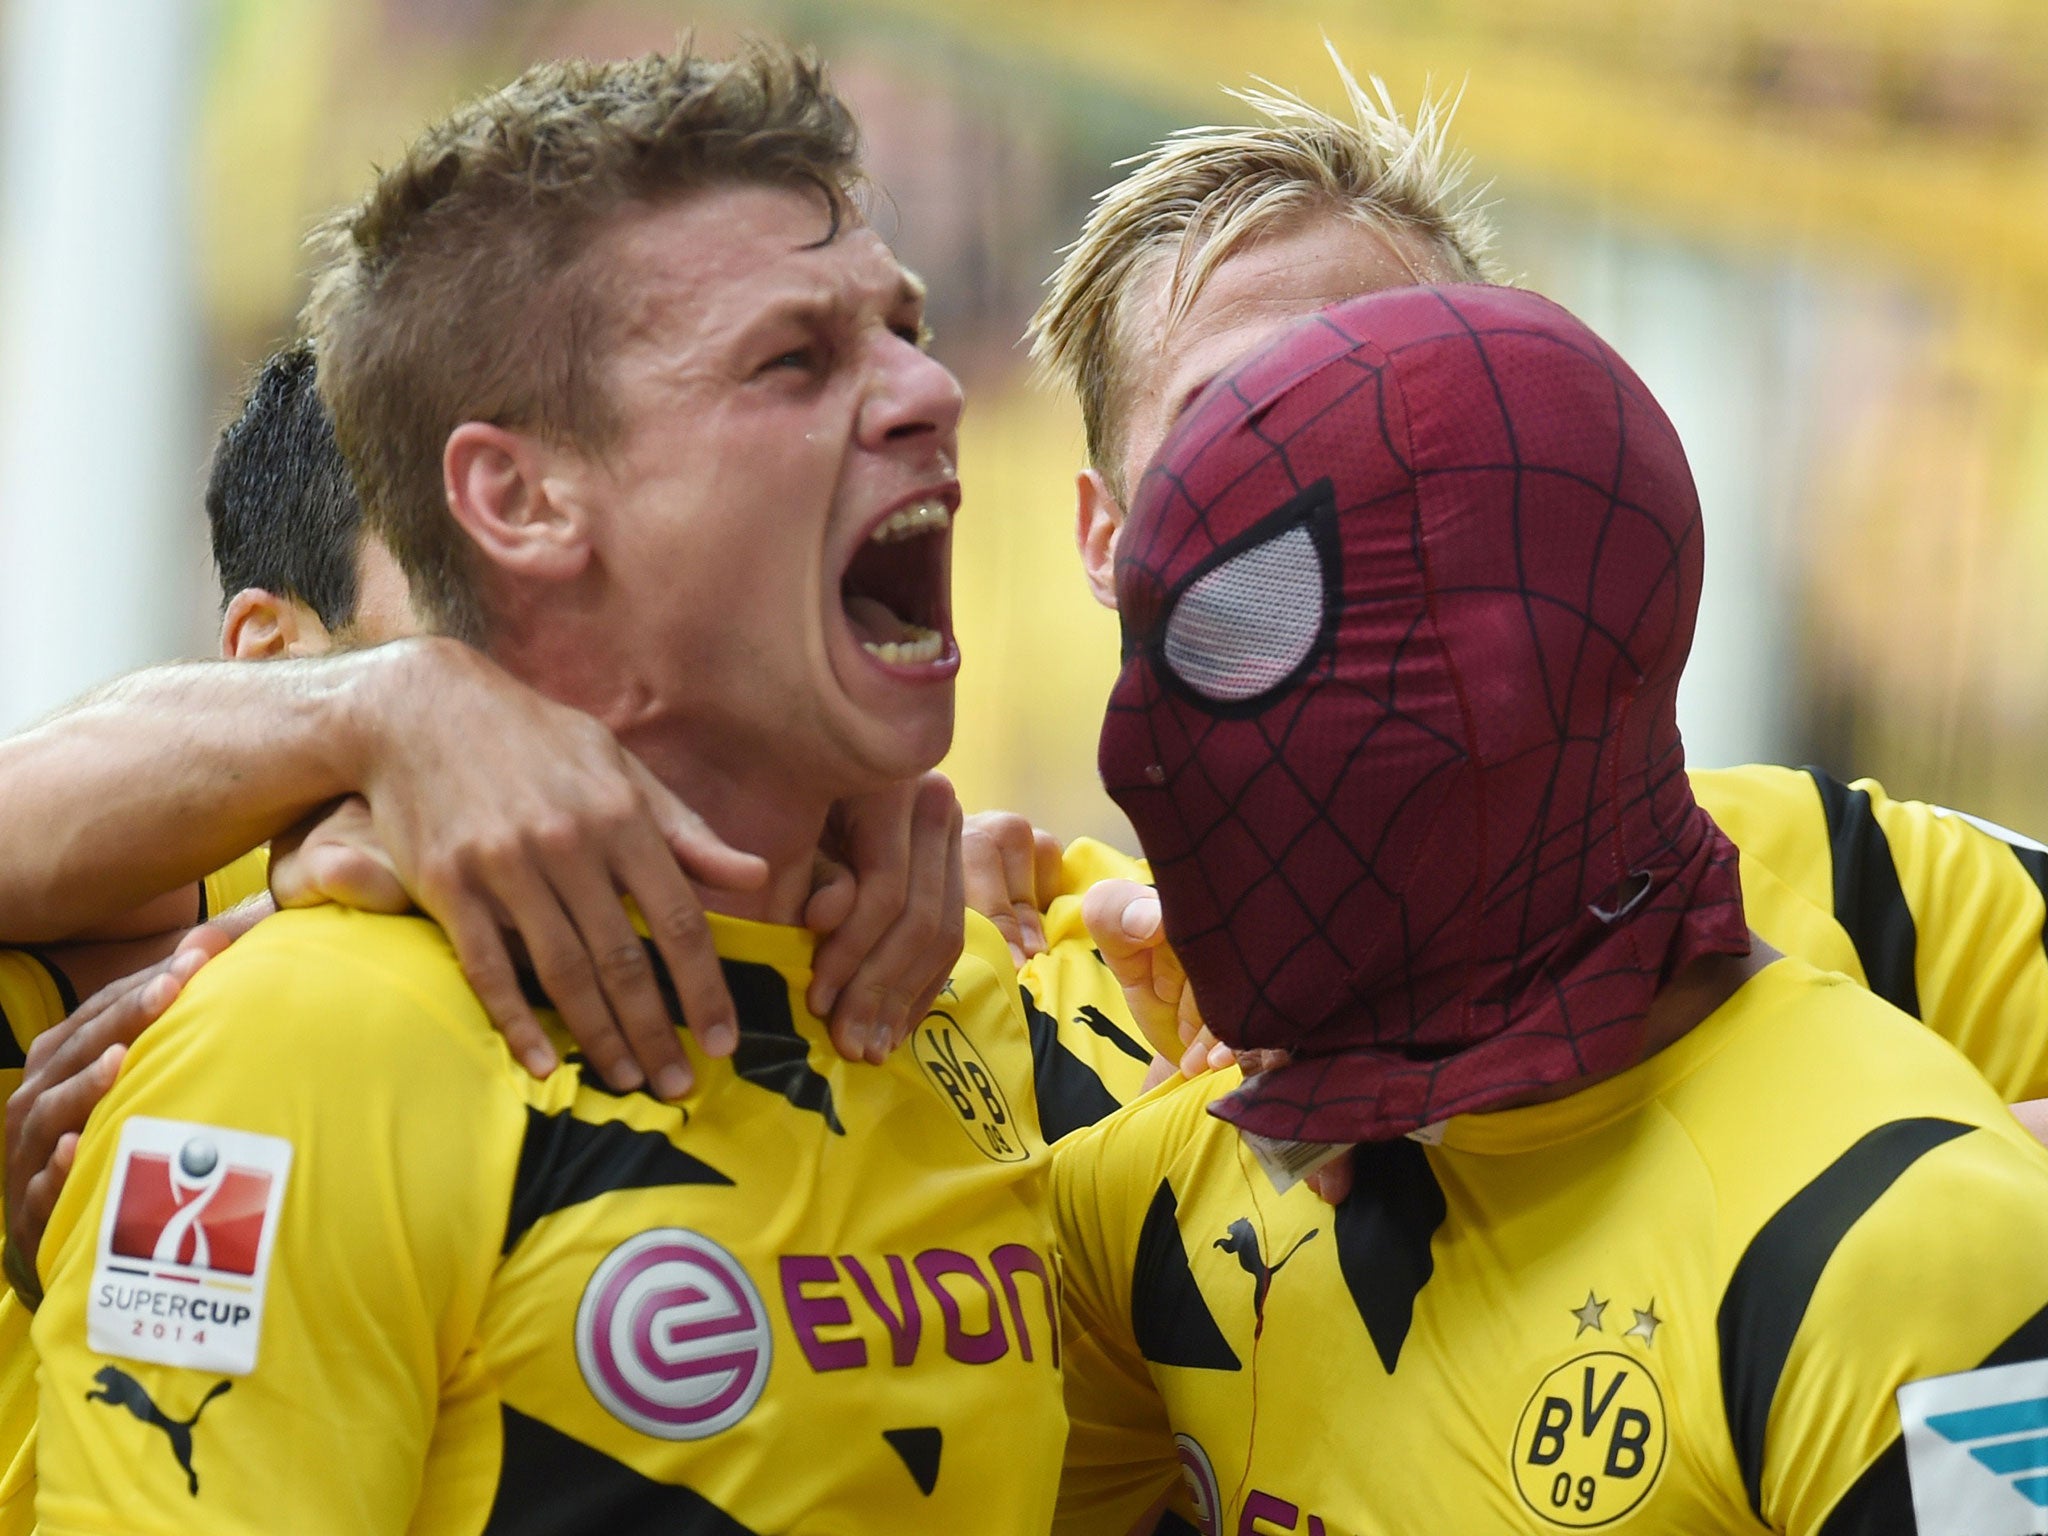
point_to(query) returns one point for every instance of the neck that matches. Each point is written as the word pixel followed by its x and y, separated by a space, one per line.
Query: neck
pixel 1681 1005
pixel 776 816
pixel 754 811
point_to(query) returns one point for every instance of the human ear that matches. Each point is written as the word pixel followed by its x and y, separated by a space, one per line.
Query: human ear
pixel 261 626
pixel 1098 521
pixel 498 489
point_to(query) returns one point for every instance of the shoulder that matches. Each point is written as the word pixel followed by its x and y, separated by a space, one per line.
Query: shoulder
pixel 1817 1036
pixel 1167 1130
pixel 313 1003
pixel 1767 811
pixel 1799 1068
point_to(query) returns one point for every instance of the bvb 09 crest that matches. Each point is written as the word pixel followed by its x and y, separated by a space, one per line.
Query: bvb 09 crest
pixel 1591 1440
pixel 963 1078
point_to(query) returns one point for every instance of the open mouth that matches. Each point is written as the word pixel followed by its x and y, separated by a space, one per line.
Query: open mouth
pixel 894 589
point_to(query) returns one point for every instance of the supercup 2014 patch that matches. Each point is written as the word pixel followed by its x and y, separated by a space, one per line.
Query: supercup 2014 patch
pixel 185 1244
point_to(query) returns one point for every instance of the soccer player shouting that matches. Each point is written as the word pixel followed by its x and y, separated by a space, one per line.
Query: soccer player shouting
pixel 638 403
pixel 1651 1222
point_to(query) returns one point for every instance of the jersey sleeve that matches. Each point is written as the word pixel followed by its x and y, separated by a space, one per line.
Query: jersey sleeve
pixel 33 996
pixel 232 884
pixel 1091 1058
pixel 1120 1455
pixel 272 1249
pixel 1941 915
pixel 1879 1328
pixel 1974 920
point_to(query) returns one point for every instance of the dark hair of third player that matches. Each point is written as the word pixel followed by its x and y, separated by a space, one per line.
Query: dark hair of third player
pixel 279 501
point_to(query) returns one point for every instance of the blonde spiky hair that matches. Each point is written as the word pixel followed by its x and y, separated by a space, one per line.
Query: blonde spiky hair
pixel 1203 193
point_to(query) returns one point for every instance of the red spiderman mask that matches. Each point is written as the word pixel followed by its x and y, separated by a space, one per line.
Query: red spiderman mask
pixel 1405 601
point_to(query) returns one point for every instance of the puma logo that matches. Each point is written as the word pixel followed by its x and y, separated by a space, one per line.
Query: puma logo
pixel 1243 1240
pixel 124 1391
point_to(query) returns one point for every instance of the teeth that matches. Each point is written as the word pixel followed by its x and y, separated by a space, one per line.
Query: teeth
pixel 919 517
pixel 925 648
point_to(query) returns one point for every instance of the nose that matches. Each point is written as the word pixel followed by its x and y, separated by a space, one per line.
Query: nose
pixel 914 399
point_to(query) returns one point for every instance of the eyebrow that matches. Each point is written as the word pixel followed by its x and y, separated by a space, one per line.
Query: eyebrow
pixel 1193 394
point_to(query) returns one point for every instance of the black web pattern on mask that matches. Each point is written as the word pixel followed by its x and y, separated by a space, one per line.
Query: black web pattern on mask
pixel 1405 1007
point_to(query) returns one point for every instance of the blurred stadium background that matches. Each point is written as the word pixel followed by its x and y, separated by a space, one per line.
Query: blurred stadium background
pixel 1819 228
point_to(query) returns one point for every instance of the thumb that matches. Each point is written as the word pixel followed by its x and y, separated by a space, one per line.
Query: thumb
pixel 1124 920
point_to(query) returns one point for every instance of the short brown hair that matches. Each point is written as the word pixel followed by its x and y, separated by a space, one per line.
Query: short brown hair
pixel 453 291
pixel 1204 192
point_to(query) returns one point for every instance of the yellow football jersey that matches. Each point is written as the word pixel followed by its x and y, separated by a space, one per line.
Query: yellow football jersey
pixel 331 1261
pixel 232 884
pixel 1744 1286
pixel 33 995
pixel 1938 913
pixel 1091 1056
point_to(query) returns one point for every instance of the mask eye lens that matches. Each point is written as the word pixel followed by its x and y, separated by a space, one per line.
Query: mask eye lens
pixel 1245 626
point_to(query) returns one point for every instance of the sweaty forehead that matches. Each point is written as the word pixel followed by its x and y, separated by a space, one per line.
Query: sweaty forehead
pixel 720 259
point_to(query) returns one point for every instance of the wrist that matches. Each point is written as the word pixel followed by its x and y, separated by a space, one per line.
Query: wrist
pixel 374 694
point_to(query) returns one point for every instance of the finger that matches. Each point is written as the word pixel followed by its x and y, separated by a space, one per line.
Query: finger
pixel 122 1018
pixel 63 1108
pixel 210 939
pixel 833 890
pixel 682 938
pixel 1020 891
pixel 354 877
pixel 944 954
pixel 1333 1180
pixel 706 855
pixel 987 885
pixel 1161 1070
pixel 880 829
pixel 625 974
pixel 1047 875
pixel 565 965
pixel 487 965
pixel 1123 919
pixel 871 1012
pixel 40 1198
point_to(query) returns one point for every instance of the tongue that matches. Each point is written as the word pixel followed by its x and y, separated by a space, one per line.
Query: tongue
pixel 875 621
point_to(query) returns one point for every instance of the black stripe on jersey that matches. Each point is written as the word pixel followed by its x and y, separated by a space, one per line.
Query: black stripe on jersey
pixel 1868 900
pixel 2035 863
pixel 1070 1095
pixel 1768 1294
pixel 565 1161
pixel 11 1053
pixel 553 1485
pixel 1170 1318
pixel 1384 1229
pixel 1171 1524
pixel 1880 1502
pixel 67 994
pixel 1099 1021
pixel 770 1055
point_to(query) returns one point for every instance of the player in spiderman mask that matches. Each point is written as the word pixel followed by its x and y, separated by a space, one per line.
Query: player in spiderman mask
pixel 1404 614
pixel 1406 597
